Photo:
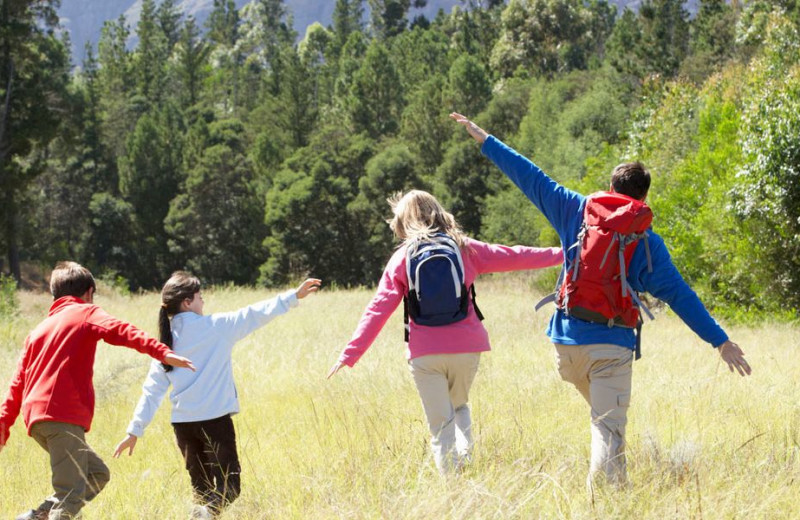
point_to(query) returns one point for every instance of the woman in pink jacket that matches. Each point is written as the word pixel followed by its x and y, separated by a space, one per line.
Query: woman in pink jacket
pixel 443 359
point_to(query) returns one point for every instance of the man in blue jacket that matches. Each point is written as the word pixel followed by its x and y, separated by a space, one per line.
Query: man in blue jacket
pixel 592 356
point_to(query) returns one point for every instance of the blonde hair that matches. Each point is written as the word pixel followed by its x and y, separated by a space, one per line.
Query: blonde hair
pixel 418 214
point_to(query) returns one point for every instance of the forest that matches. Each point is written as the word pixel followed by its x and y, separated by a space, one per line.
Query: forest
pixel 249 154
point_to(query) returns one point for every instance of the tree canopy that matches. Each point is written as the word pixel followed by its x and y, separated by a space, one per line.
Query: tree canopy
pixel 248 155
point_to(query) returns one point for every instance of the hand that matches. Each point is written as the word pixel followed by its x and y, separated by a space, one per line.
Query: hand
pixel 335 368
pixel 734 357
pixel 477 133
pixel 178 361
pixel 127 444
pixel 307 287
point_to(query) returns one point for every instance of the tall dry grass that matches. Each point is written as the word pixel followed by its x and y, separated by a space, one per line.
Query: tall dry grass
pixel 703 443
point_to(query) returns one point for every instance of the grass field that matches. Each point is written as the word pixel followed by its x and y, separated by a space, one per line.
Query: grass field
pixel 702 443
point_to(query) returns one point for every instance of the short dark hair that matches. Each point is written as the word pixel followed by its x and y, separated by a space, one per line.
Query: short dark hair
pixel 631 179
pixel 70 279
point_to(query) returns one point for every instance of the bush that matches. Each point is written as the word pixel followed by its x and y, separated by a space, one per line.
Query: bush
pixel 8 296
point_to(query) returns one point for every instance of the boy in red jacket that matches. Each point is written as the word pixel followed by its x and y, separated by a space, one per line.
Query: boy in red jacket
pixel 52 385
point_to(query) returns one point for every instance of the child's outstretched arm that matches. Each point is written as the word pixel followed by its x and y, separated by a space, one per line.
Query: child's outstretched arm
pixel 238 324
pixel 390 293
pixel 117 332
pixel 307 287
pixel 178 361
pixel 10 407
pixel 154 389
pixel 335 368
pixel 128 443
pixel 495 258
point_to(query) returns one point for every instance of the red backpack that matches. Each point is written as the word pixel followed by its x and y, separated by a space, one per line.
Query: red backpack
pixel 595 286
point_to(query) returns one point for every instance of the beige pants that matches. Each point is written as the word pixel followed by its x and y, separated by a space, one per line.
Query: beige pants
pixel 78 473
pixel 443 382
pixel 602 374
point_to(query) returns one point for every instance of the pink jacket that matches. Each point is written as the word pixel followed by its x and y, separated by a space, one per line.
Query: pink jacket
pixel 468 335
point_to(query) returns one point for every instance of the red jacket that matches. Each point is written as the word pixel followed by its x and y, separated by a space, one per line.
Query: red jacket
pixel 53 380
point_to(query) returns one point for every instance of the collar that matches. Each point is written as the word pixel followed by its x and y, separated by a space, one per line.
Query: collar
pixel 64 301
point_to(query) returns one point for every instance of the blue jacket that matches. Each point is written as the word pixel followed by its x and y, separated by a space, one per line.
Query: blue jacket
pixel 564 209
pixel 208 341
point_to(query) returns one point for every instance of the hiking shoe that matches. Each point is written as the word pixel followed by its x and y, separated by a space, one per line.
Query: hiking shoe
pixel 33 514
pixel 201 513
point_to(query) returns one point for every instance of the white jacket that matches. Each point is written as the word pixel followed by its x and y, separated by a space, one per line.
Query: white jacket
pixel 208 341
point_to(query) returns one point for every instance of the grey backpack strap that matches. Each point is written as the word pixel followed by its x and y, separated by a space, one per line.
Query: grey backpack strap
pixel 544 301
pixel 552 297
pixel 622 275
pixel 608 249
pixel 641 305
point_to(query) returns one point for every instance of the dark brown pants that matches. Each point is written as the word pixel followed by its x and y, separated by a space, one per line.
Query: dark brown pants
pixel 209 449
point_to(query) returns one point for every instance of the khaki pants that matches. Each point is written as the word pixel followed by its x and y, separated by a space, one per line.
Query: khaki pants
pixel 443 382
pixel 602 374
pixel 78 473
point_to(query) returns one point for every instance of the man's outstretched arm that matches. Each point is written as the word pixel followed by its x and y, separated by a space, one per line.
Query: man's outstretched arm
pixel 666 283
pixel 477 133
pixel 558 204
pixel 734 357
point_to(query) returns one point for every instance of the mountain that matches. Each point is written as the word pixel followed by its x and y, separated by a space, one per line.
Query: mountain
pixel 84 18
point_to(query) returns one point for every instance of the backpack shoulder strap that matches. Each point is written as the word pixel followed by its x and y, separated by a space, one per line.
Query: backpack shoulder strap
pixel 411 248
pixel 474 303
pixel 406 328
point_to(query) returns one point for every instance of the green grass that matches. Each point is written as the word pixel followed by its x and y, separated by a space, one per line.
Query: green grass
pixel 703 443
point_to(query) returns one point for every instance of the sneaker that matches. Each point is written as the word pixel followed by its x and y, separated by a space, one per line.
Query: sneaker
pixel 201 513
pixel 33 514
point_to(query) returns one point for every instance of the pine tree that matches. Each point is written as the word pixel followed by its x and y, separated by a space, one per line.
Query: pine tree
pixel 713 31
pixel 169 16
pixel 150 57
pixel 33 80
pixel 223 31
pixel 191 54
pixel 348 17
pixel 665 35
pixel 389 17
pixel 115 85
pixel 150 173
pixel 376 98
pixel 216 224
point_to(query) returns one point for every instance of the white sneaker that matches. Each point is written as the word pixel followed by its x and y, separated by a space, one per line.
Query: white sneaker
pixel 201 513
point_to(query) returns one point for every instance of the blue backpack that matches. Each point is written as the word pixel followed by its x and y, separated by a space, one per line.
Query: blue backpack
pixel 437 293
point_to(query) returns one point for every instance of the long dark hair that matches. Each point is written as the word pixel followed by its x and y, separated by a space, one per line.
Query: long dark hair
pixel 180 286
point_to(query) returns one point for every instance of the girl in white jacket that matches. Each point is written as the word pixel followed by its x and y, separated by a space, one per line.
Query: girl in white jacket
pixel 203 401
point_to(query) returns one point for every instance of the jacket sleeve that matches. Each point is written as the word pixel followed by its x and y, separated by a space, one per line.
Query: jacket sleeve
pixel 9 409
pixel 557 203
pixel 153 391
pixel 238 324
pixel 117 332
pixel 392 287
pixel 494 258
pixel 667 284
